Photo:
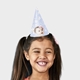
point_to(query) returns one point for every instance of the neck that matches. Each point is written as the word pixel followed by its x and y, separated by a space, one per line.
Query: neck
pixel 39 76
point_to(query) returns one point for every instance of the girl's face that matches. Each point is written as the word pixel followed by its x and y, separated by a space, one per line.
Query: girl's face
pixel 41 55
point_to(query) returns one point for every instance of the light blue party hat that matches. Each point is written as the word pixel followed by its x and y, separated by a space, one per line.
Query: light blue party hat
pixel 38 27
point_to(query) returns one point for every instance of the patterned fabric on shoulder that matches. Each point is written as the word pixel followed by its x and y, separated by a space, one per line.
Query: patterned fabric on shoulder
pixel 26 78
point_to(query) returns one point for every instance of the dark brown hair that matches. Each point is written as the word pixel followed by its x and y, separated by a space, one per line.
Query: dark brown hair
pixel 22 67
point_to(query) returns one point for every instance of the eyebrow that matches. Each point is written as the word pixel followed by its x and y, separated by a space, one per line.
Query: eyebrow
pixel 49 48
pixel 35 48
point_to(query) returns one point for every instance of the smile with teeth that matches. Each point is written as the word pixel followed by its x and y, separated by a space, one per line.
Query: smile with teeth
pixel 42 63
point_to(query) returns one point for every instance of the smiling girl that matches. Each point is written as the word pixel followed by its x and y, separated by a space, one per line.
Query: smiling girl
pixel 37 57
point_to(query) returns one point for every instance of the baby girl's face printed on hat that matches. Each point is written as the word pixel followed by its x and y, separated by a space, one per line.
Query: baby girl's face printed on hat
pixel 39 30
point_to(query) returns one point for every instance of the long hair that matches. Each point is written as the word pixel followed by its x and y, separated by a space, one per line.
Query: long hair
pixel 22 67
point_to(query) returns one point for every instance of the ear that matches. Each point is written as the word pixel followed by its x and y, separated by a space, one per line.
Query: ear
pixel 54 56
pixel 26 55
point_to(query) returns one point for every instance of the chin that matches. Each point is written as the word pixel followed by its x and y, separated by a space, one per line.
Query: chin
pixel 42 71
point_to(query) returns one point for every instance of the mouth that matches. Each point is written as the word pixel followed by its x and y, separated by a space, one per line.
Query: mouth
pixel 42 63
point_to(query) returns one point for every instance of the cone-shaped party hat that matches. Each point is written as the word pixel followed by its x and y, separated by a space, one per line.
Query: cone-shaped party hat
pixel 38 27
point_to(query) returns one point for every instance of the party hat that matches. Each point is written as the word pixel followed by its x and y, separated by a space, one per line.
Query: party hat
pixel 38 27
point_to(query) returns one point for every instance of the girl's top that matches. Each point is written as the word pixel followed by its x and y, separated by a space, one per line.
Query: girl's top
pixel 26 78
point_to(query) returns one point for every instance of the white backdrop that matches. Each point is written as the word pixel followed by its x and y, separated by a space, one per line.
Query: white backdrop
pixel 62 18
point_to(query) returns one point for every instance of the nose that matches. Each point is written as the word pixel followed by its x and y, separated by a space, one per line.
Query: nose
pixel 42 55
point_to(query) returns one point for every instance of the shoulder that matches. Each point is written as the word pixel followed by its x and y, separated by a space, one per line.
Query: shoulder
pixel 26 78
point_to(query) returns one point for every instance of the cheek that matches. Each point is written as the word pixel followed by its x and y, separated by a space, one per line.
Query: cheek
pixel 32 58
pixel 51 58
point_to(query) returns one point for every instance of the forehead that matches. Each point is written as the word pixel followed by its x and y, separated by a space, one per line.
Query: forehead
pixel 42 43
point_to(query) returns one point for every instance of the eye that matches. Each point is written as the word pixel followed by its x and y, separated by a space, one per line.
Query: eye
pixel 36 51
pixel 48 52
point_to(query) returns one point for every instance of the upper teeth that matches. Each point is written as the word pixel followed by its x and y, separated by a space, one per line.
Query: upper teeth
pixel 42 63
